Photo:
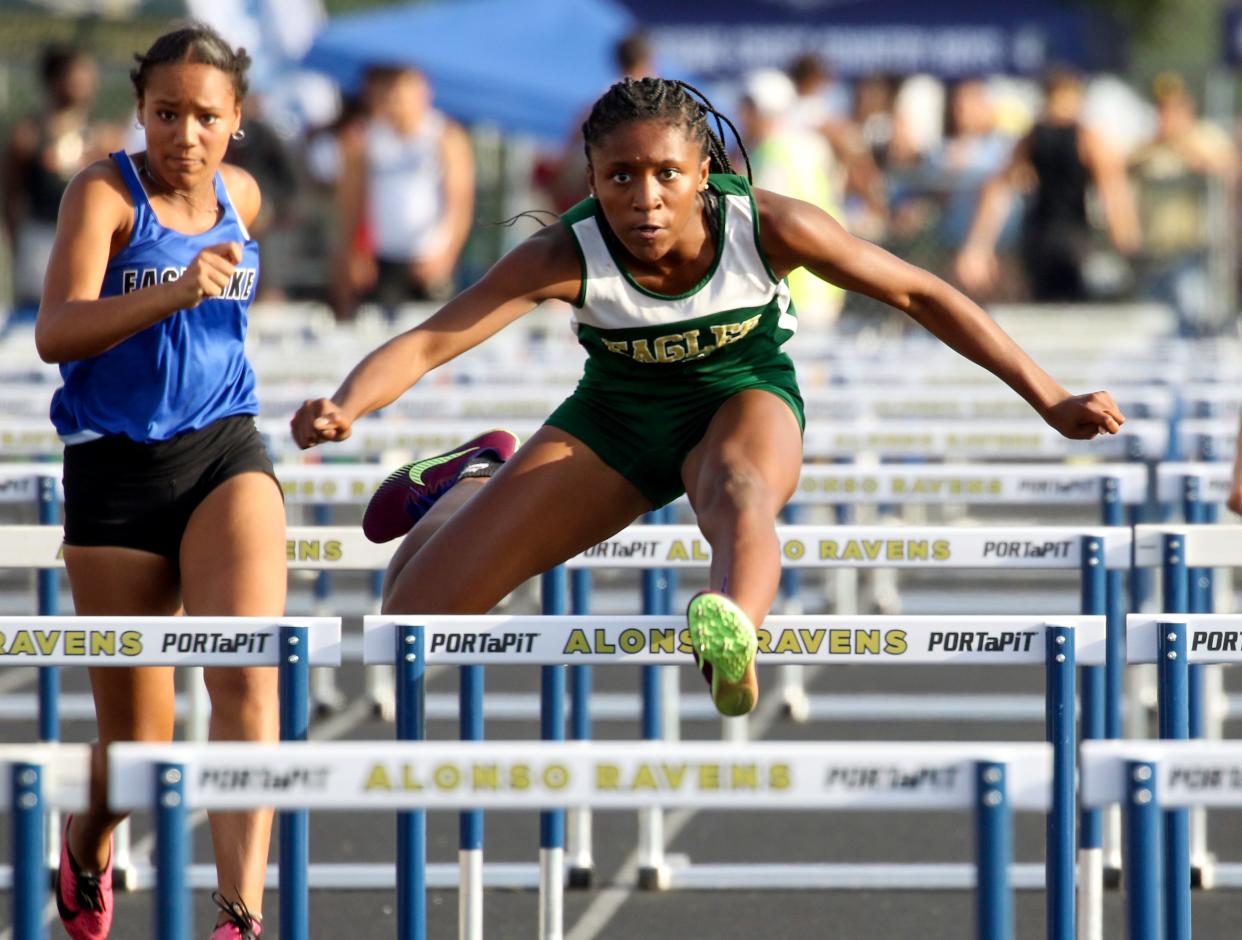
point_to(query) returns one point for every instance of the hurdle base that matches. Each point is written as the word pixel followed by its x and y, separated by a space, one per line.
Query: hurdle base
pixel 796 706
pixel 654 878
pixel 579 878
pixel 1203 872
pixel 123 879
pixel 384 709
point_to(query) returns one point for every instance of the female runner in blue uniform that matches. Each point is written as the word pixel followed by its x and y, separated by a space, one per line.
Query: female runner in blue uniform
pixel 674 268
pixel 171 503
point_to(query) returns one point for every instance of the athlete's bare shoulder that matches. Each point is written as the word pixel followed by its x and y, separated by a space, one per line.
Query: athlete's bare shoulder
pixel 243 191
pixel 791 230
pixel 544 267
pixel 98 191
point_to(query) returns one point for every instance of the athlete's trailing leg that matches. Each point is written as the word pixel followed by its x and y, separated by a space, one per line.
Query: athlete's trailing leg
pixel 411 490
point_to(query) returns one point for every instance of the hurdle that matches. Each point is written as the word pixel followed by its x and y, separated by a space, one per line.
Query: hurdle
pixel 1207 438
pixel 415 643
pixel 1179 643
pixel 992 779
pixel 1092 551
pixel 1185 553
pixel 1155 779
pixel 35 779
pixel 292 644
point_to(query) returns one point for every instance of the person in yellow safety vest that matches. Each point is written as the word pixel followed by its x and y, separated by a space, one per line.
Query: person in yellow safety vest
pixel 797 162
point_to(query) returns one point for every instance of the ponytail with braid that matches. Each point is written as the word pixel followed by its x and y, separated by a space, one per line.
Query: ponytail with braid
pixel 660 99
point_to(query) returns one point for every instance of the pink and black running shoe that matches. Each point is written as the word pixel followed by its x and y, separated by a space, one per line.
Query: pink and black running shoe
pixel 240 923
pixel 84 899
pixel 410 491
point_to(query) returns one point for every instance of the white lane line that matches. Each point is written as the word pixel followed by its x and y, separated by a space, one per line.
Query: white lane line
pixel 610 900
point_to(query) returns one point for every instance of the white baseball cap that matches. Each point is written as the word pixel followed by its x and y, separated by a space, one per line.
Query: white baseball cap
pixel 771 91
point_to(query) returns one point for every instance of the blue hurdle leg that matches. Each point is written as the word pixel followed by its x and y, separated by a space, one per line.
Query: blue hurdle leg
pixel 294 825
pixel 29 875
pixel 651 872
pixel 1204 717
pixel 552 822
pixel 172 854
pixel 48 580
pixel 470 822
pixel 411 824
pixel 1175 725
pixel 1059 863
pixel 579 846
pixel 1091 831
pixel 1142 854
pixel 993 853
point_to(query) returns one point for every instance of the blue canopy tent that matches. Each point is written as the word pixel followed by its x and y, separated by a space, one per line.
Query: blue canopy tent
pixel 948 38
pixel 531 67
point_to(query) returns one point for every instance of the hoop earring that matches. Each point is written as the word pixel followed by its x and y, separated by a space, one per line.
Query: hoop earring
pixel 239 134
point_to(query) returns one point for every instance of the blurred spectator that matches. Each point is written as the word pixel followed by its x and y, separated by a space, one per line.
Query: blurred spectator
pixel 43 154
pixel 821 100
pixel 1175 171
pixel 883 130
pixel 263 154
pixel 793 161
pixel 1055 162
pixel 971 151
pixel 822 106
pixel 409 175
pixel 563 177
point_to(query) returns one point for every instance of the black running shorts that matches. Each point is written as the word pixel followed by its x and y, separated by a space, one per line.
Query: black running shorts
pixel 122 493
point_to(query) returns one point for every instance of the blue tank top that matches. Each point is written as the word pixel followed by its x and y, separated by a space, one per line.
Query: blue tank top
pixel 185 371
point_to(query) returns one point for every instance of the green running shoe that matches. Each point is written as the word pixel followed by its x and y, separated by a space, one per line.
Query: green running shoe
pixel 724 647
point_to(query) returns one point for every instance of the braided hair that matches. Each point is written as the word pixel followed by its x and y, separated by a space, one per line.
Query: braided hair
pixel 661 99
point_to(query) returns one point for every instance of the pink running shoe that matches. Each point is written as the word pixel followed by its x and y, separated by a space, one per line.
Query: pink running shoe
pixel 240 925
pixel 411 490
pixel 83 899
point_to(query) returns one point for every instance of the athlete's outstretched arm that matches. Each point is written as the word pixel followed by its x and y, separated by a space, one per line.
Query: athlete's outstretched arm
pixel 796 234
pixel 544 267
pixel 94 221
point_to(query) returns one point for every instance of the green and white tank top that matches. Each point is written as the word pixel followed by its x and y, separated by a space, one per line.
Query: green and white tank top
pixel 737 316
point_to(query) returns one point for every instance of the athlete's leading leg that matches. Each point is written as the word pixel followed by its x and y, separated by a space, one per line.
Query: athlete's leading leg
pixel 552 500
pixel 233 563
pixel 738 478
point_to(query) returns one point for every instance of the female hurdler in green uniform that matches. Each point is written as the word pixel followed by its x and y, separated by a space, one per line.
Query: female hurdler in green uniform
pixel 675 269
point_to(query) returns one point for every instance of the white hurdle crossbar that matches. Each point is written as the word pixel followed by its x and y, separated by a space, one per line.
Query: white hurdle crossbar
pixel 292 644
pixel 412 777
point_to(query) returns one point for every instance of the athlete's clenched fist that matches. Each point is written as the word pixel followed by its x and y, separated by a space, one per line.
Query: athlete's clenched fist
pixel 209 273
pixel 319 420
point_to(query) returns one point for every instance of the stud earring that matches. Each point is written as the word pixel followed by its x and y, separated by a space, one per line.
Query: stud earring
pixel 239 134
